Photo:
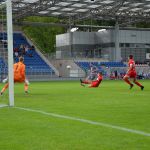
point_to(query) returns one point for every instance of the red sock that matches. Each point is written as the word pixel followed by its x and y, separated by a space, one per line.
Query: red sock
pixel 137 83
pixel 127 81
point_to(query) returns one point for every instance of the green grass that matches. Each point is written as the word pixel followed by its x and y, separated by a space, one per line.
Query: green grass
pixel 112 103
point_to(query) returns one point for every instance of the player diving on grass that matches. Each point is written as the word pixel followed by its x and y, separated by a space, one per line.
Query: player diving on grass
pixel 92 76
pixel 131 73
pixel 94 83
pixel 19 76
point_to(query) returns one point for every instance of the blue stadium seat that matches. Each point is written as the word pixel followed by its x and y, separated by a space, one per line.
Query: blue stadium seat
pixel 33 64
pixel 85 65
pixel 3 66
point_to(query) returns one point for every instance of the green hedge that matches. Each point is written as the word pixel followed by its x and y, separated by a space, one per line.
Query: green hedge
pixel 45 37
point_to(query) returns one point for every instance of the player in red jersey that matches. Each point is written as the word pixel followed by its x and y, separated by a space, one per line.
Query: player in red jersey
pixel 92 76
pixel 94 83
pixel 131 73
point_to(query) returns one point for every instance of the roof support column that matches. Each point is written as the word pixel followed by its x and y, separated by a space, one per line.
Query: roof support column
pixel 117 54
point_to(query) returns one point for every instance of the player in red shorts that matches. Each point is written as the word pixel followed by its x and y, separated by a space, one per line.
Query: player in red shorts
pixel 92 76
pixel 131 73
pixel 94 83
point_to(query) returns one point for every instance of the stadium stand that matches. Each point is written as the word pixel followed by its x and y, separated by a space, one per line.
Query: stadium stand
pixel 3 68
pixel 35 65
pixel 102 66
pixel 86 65
pixel 3 65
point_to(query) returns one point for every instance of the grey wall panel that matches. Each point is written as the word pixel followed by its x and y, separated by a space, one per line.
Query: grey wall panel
pixel 132 36
pixel 105 37
pixel 108 36
pixel 134 42
pixel 82 47
pixel 83 38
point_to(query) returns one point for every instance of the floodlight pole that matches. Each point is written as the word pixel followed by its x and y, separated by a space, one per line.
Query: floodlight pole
pixel 10 52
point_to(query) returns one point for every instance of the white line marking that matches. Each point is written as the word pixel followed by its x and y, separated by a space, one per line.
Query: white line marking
pixel 3 105
pixel 86 121
pixel 134 94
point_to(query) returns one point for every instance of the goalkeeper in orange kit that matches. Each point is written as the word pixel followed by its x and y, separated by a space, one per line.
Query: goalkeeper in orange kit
pixel 19 75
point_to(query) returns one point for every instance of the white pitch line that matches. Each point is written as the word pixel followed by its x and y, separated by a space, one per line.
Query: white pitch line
pixel 3 105
pixel 87 121
pixel 134 94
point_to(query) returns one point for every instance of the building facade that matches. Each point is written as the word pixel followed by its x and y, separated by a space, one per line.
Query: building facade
pixel 112 44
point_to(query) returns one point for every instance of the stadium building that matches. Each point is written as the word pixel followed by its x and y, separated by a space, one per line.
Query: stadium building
pixel 110 44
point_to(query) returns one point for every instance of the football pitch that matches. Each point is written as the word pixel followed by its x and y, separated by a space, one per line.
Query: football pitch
pixel 62 115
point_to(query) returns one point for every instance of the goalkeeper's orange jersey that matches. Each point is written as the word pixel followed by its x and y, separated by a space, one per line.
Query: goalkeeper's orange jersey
pixel 19 72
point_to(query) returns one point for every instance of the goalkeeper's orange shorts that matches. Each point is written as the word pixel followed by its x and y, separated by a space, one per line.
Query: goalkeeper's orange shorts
pixel 19 80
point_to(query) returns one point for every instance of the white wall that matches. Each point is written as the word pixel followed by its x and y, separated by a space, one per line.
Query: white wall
pixel 63 39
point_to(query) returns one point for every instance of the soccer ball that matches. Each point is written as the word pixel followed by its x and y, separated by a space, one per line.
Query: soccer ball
pixel 68 67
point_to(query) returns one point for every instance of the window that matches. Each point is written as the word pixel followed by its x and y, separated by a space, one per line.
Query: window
pixel 127 45
pixel 121 44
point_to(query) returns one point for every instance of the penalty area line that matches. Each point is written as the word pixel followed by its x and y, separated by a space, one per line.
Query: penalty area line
pixel 86 121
